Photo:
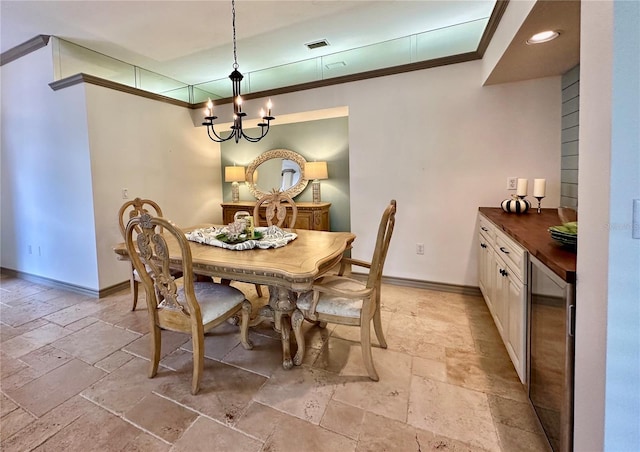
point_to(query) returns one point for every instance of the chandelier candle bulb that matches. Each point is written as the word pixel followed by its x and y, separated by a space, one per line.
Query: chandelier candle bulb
pixel 539 187
pixel 522 187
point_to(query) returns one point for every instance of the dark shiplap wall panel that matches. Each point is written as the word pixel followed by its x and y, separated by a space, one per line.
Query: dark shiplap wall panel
pixel 570 144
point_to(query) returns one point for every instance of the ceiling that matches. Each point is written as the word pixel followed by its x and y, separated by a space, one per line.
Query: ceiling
pixel 190 41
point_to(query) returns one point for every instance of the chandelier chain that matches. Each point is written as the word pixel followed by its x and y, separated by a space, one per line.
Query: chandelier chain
pixel 233 23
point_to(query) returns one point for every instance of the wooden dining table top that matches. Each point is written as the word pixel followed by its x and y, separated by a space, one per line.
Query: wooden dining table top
pixel 294 266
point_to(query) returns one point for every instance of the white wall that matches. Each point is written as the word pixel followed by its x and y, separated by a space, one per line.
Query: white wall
pixel 442 145
pixel 46 176
pixel 593 214
pixel 435 140
pixel 152 149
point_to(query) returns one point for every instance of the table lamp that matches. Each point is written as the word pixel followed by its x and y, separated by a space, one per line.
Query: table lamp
pixel 234 174
pixel 316 171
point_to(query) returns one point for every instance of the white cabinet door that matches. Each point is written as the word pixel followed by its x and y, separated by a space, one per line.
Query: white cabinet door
pixel 500 295
pixel 515 332
pixel 485 270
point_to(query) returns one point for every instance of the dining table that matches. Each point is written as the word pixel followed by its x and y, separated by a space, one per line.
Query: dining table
pixel 287 270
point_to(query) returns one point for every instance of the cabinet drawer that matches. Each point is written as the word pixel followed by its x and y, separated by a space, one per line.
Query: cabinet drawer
pixel 486 228
pixel 512 254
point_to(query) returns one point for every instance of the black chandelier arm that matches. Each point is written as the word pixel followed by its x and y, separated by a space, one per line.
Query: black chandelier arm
pixel 217 138
pixel 256 139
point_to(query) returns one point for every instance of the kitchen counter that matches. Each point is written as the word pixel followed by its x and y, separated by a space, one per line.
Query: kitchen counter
pixel 530 230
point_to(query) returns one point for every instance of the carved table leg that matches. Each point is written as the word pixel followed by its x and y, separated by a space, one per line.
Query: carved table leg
pixel 296 322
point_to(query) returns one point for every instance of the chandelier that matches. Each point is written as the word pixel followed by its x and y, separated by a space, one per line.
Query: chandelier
pixel 236 77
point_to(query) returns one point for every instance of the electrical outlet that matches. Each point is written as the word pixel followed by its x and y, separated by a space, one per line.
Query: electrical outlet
pixel 419 248
pixel 512 183
pixel 125 193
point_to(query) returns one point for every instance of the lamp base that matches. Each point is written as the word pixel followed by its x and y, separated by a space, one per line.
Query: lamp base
pixel 235 192
pixel 315 185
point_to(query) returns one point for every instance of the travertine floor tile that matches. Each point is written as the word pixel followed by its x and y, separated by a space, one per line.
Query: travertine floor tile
pixel 485 374
pixel 55 387
pixel 302 391
pixel 515 439
pixel 343 419
pixel 46 358
pixel 15 421
pixel 388 397
pixel 161 417
pixel 446 381
pixel 108 433
pixel 206 435
pixel 40 430
pixel 452 411
pixel 95 342
pixel 295 435
pixel 225 391
pixel 171 341
pixel 264 358
pixel 75 312
pixel 123 388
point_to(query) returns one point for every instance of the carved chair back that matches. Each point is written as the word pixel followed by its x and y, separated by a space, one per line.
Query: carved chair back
pixel 135 208
pixel 276 208
pixel 385 231
pixel 149 253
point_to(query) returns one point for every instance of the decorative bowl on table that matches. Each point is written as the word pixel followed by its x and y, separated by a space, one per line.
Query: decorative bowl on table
pixel 565 234
pixel 239 238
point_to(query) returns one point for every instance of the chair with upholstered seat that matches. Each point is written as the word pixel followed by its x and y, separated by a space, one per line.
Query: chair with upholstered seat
pixel 347 301
pixel 130 209
pixel 276 204
pixel 195 307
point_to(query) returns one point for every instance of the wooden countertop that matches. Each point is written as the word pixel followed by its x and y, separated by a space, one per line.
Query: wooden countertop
pixel 530 230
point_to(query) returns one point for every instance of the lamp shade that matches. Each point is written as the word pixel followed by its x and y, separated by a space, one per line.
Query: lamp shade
pixel 234 174
pixel 315 170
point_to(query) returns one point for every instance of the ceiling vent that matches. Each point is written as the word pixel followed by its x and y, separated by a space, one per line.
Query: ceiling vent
pixel 317 44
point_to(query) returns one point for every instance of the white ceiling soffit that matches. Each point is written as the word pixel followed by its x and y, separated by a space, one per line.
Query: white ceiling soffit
pixel 525 62
pixel 190 41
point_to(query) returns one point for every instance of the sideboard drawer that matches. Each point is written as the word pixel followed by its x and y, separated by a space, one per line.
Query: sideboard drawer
pixel 312 216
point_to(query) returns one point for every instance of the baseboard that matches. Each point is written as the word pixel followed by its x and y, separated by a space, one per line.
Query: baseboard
pixel 415 283
pixel 429 285
pixel 66 286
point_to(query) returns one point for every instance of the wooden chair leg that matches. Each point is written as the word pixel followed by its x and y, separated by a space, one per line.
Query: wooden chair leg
pixel 244 325
pixel 134 290
pixel 198 361
pixel 156 347
pixel 377 326
pixel 365 341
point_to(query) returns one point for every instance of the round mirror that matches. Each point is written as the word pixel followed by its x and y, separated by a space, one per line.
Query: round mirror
pixel 278 169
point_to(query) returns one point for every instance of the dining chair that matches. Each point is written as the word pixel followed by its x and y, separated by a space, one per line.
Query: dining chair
pixel 130 209
pixel 193 307
pixel 347 301
pixel 276 204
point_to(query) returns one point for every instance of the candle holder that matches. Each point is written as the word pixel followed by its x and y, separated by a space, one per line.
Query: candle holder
pixel 539 198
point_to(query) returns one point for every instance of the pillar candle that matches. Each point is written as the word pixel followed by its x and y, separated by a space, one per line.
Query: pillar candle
pixel 539 186
pixel 522 187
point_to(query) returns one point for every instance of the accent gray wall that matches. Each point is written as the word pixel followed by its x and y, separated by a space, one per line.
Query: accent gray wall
pixel 570 142
pixel 322 140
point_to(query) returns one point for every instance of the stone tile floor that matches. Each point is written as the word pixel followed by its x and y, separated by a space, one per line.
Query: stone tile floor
pixel 73 377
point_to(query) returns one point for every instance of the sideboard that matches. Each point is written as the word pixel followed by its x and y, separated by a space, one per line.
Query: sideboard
pixel 312 216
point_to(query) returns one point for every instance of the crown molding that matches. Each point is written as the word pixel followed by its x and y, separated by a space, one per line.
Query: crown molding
pixel 23 49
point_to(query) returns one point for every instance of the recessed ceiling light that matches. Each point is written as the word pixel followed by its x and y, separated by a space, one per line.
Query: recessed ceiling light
pixel 544 36
pixel 317 44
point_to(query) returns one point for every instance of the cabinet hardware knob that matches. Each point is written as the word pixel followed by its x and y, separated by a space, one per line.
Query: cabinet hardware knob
pixel 482 245
pixel 503 249
pixel 484 229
